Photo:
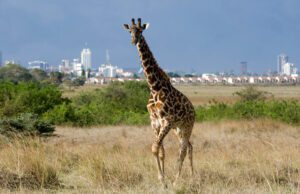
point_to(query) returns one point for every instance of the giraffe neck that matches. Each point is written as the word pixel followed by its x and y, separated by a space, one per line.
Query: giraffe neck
pixel 154 75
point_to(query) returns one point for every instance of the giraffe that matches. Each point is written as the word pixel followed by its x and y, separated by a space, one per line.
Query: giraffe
pixel 168 107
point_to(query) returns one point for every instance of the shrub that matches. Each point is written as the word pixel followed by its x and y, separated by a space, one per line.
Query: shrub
pixel 119 103
pixel 252 104
pixel 25 124
pixel 15 73
pixel 250 93
pixel 30 97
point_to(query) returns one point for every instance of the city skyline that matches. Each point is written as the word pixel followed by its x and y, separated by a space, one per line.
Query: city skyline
pixel 205 36
pixel 84 63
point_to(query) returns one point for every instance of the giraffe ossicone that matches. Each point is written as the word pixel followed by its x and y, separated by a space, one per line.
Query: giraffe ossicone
pixel 168 107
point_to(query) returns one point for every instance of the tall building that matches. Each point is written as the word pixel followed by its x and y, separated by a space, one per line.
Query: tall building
pixel 282 59
pixel 243 66
pixel 86 59
pixel 0 59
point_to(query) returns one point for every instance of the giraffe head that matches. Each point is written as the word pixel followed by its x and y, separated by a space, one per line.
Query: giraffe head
pixel 136 30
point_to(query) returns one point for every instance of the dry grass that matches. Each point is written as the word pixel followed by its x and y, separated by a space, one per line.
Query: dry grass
pixel 203 94
pixel 259 156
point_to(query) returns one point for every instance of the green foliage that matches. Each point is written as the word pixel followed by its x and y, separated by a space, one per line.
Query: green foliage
pixel 252 104
pixel 15 73
pixel 250 93
pixel 79 81
pixel 56 77
pixel 25 124
pixel 30 97
pixel 172 74
pixel 39 75
pixel 119 103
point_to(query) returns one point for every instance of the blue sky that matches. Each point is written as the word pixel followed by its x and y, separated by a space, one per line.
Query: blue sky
pixel 203 35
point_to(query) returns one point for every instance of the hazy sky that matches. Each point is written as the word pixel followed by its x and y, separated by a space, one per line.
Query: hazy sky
pixel 204 35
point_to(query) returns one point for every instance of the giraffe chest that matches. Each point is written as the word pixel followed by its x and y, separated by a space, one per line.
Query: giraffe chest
pixel 162 104
pixel 174 106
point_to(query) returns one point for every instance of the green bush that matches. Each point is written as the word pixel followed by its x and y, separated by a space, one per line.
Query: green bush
pixel 15 73
pixel 283 110
pixel 30 97
pixel 250 93
pixel 125 103
pixel 25 124
pixel 119 103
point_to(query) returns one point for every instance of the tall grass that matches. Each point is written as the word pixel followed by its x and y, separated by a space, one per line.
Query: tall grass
pixel 259 156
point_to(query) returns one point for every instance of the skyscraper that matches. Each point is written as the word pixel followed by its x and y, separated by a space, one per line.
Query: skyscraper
pixel 86 59
pixel 243 66
pixel 282 59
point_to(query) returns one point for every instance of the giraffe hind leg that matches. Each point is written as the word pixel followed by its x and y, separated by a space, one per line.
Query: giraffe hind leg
pixel 190 155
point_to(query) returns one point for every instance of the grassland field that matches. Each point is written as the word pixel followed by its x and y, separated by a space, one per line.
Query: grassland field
pixel 246 156
pixel 203 94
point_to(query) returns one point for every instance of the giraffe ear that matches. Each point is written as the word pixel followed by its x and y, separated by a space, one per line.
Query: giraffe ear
pixel 146 26
pixel 126 26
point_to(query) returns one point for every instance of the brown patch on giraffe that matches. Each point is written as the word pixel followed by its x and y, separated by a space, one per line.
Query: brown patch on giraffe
pixel 159 105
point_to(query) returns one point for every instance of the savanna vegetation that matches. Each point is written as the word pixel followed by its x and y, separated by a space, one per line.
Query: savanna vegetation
pixel 250 145
pixel 40 95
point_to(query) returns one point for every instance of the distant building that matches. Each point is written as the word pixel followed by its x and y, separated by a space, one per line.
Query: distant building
pixel 107 70
pixel 65 66
pixel 244 69
pixel 86 59
pixel 38 65
pixel 289 69
pixel 77 67
pixel 11 61
pixel 282 59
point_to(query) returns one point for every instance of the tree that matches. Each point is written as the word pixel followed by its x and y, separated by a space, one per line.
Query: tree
pixel 172 74
pixel 56 77
pixel 15 73
pixel 250 93
pixel 39 74
pixel 188 75
pixel 80 81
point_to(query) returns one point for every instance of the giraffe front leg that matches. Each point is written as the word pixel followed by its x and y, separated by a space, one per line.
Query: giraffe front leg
pixel 157 148
pixel 155 152
pixel 161 155
pixel 182 153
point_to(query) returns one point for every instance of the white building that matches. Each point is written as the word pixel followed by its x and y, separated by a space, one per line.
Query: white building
pixel 11 61
pixel 77 67
pixel 108 70
pixel 65 66
pixel 86 59
pixel 282 59
pixel 289 69
pixel 38 65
